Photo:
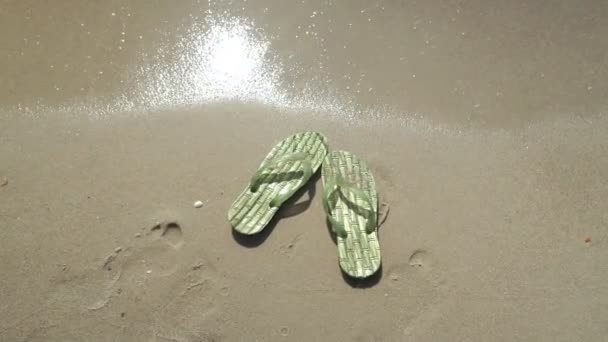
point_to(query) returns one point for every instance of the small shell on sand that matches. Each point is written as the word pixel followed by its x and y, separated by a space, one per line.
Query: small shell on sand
pixel 198 204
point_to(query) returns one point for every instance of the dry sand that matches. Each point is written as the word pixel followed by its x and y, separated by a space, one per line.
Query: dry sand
pixel 483 122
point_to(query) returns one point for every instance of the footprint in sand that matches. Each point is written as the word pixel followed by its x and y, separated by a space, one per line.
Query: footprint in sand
pixel 192 307
pixel 418 266
pixel 156 254
pixel 171 232
pixel 419 258
pixel 156 273
pixel 151 282
pixel 153 254
pixel 413 291
pixel 418 278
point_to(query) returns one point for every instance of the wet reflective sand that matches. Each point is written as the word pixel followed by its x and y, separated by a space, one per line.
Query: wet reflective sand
pixel 484 123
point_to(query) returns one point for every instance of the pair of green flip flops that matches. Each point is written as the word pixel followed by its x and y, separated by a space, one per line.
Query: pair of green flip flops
pixel 350 199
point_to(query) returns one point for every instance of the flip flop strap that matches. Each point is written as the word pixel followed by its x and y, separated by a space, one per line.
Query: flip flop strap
pixel 339 184
pixel 295 157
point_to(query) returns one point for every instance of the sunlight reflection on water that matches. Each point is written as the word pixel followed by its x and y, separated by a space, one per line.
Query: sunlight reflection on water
pixel 224 60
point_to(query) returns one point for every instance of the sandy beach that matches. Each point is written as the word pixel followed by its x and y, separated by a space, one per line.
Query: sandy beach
pixel 484 124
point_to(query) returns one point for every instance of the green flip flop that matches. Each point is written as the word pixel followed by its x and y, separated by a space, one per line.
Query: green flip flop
pixel 287 167
pixel 350 201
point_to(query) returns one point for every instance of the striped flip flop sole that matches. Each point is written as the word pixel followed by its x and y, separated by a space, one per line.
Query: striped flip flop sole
pixel 252 211
pixel 359 251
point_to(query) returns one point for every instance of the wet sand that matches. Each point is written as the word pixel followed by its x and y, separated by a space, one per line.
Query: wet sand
pixel 483 123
